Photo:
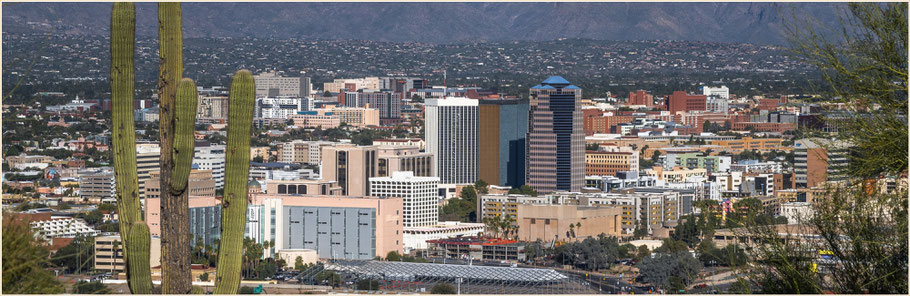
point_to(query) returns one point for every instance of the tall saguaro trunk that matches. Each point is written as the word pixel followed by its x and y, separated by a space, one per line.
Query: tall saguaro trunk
pixel 133 231
pixel 237 172
pixel 176 154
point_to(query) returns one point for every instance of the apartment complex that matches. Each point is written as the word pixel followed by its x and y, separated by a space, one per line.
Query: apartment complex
pixel 690 160
pixel 451 133
pixel 299 151
pixel 609 160
pixel 555 137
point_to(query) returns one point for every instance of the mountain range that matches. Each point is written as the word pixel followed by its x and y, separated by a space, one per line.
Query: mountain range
pixel 739 22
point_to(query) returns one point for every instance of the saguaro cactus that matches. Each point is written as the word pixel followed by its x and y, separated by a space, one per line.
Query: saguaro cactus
pixel 237 171
pixel 135 240
pixel 176 131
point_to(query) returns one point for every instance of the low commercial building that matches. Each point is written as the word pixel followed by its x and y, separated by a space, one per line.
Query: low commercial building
pixel 567 222
pixel 312 119
pixel 415 238
pixel 414 142
pixel 494 205
pixel 109 253
pixel 797 212
pixel 622 180
pixel 712 164
pixel 336 227
pixel 477 248
pixel 96 183
pixel 676 174
pixel 302 187
pixel 749 143
pixel 200 183
pixel 352 166
pixel 290 256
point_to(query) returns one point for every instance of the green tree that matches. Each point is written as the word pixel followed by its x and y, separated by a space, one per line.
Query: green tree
pixel 204 277
pixel 672 271
pixel 527 190
pixel 77 256
pixel 83 287
pixel 372 285
pixel 655 157
pixel 25 261
pixel 864 63
pixel 298 263
pixel 469 194
pixel 93 218
pixel 687 231
pixel 393 256
pixel 329 277
pixel 482 186
pixel 442 288
pixel 672 246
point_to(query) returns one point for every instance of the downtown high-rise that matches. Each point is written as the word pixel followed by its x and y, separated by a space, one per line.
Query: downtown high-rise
pixel 502 133
pixel 556 139
pixel 451 133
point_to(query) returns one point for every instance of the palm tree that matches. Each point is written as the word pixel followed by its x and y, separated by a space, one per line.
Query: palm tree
pixel 571 231
pixel 578 226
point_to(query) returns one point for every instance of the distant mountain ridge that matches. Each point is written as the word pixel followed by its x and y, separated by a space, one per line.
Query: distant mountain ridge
pixel 758 23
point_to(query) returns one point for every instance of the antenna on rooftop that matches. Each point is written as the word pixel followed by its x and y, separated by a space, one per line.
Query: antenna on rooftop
pixel 445 86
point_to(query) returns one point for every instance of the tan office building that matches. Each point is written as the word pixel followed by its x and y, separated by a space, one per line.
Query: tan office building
pixel 201 183
pixel 109 253
pixel 608 162
pixel 352 166
pixel 546 222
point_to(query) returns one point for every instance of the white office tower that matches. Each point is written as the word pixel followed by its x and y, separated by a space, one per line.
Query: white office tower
pixel 281 107
pixel 211 157
pixel 722 92
pixel 451 133
pixel 420 194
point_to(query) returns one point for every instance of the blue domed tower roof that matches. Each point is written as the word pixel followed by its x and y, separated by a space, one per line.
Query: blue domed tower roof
pixel 556 81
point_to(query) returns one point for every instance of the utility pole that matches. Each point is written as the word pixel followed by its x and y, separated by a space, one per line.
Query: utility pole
pixel 458 284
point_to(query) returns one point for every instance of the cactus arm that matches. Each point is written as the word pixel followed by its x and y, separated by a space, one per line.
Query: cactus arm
pixel 237 170
pixel 137 259
pixel 184 140
pixel 123 33
pixel 175 237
